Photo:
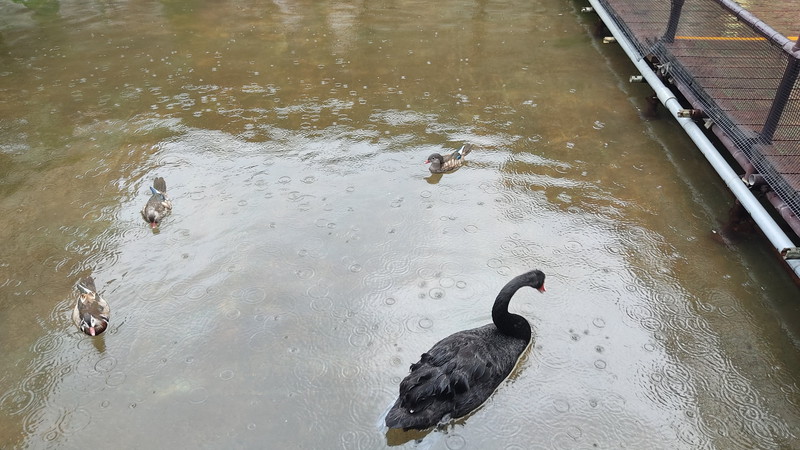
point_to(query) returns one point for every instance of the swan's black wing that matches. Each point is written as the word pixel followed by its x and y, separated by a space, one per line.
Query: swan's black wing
pixel 454 377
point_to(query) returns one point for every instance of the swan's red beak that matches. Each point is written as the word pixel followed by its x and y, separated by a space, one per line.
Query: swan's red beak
pixel 541 288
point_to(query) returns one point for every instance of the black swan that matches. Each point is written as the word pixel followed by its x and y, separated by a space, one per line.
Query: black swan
pixel 159 204
pixel 446 163
pixel 462 370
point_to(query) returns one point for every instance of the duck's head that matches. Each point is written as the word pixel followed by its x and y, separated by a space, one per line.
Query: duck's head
pixel 92 325
pixel 435 158
pixel 153 219
pixel 436 161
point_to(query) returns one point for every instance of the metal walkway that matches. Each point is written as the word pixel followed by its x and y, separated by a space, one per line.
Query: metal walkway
pixel 740 78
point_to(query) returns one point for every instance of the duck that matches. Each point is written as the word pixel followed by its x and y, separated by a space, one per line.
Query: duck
pixel 447 163
pixel 91 313
pixel 159 204
pixel 460 372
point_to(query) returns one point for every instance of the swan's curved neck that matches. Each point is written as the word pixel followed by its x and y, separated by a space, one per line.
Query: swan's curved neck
pixel 507 323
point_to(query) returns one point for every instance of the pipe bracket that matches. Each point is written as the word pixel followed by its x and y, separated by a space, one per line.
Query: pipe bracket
pixel 791 253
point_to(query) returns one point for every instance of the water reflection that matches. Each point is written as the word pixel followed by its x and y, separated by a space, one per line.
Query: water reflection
pixel 311 257
pixel 41 8
pixel 434 178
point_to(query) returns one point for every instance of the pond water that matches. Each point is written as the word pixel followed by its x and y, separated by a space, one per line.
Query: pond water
pixel 311 257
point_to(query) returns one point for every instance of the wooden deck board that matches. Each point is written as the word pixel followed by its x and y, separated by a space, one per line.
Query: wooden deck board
pixel 731 67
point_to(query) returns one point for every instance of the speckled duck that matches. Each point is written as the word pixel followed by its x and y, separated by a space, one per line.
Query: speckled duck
pixel 159 204
pixel 448 163
pixel 91 313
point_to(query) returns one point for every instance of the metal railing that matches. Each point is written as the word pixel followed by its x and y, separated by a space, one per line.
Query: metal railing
pixel 738 71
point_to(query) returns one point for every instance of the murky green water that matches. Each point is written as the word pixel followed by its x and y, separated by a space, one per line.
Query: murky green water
pixel 311 257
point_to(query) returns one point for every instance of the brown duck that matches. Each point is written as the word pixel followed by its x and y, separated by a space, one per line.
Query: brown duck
pixel 159 204
pixel 447 163
pixel 91 312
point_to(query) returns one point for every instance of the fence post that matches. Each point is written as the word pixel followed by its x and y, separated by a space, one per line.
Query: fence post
pixel 674 17
pixel 782 95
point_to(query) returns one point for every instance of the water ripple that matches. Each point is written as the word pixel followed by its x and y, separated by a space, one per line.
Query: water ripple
pixel 151 292
pixel 737 391
pixel 44 421
pixel 311 372
pixel 454 441
pixel 50 342
pixel 16 401
pixel 670 386
pixel 42 379
pixel 688 434
pixel 767 428
pixel 264 341
pixel 105 364
pixel 115 379
pixel 252 295
pixel 362 336
pixel 418 324
pixel 379 282
pixel 74 421
pixel 359 440
pixel 198 395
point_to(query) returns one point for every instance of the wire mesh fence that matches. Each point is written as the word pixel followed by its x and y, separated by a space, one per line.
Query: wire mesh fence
pixel 741 73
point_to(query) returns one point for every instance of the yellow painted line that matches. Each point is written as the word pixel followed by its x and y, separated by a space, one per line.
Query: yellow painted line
pixel 723 38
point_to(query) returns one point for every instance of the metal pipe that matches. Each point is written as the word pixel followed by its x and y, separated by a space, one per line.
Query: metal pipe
pixel 771 230
pixel 784 210
pixel 674 18
pixel 756 24
pixel 755 180
pixel 782 95
pixel 735 151
pixel 694 114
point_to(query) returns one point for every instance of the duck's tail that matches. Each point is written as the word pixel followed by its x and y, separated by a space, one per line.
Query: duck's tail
pixel 465 149
pixel 86 285
pixel 160 185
